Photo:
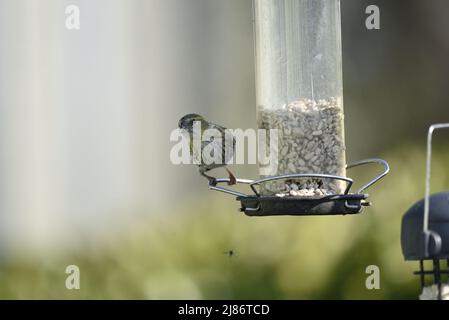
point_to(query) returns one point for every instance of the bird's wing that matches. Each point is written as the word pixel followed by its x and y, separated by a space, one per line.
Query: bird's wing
pixel 228 146
pixel 227 149
pixel 216 126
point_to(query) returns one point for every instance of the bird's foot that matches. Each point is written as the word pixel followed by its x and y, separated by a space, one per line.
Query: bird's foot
pixel 212 181
pixel 232 178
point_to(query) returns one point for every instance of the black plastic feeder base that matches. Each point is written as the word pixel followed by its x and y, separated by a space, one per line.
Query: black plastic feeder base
pixel 310 206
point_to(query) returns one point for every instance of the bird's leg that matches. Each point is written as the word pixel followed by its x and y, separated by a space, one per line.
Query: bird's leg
pixel 232 178
pixel 212 180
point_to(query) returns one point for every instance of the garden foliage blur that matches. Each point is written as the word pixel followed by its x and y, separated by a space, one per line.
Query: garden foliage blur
pixel 183 254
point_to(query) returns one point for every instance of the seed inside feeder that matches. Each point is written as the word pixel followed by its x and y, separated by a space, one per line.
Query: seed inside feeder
pixel 298 62
pixel 311 140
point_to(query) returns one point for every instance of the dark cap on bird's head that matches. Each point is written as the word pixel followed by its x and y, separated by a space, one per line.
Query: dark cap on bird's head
pixel 188 120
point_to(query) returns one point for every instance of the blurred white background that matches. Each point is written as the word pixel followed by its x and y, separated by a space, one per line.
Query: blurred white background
pixel 85 115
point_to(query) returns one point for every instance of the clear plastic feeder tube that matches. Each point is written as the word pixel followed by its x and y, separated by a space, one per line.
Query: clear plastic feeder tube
pixel 300 91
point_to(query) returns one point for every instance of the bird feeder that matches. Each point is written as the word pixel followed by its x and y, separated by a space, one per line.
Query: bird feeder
pixel 300 97
pixel 425 233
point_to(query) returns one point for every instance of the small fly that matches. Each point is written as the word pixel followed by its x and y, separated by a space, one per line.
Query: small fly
pixel 230 253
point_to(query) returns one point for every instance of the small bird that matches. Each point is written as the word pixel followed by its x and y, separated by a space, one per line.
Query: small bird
pixel 187 122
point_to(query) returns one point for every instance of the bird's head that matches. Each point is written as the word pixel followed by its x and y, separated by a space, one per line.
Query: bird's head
pixel 188 120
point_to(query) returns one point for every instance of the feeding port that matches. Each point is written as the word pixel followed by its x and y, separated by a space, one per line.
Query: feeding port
pixel 257 204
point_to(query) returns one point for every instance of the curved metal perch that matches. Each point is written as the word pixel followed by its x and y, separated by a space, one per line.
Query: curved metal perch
pixel 349 181
pixel 346 203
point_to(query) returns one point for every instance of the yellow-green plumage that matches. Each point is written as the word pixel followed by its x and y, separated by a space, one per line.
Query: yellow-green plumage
pixel 187 123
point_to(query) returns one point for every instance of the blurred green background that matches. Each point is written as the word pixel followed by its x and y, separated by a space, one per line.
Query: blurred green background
pixel 84 157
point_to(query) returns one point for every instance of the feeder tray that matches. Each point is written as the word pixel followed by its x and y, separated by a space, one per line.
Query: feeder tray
pixel 339 204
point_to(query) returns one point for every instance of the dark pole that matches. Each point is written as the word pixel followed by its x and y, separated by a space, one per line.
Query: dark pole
pixel 437 276
pixel 421 273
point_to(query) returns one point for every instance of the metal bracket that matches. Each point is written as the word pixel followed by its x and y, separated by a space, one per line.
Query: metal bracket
pixel 370 161
pixel 428 172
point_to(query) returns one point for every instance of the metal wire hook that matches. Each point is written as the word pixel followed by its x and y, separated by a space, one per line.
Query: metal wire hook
pixel 432 128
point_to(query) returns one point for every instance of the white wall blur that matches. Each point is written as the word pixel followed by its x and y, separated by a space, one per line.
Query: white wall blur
pixel 85 115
